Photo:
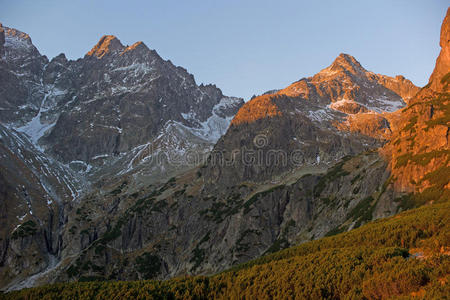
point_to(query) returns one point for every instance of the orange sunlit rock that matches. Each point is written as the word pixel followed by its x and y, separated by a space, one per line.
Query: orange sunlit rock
pixel 132 47
pixel 106 44
pixel 419 151
pixel 335 82
pixel 370 124
pixel 17 33
pixel 257 108
pixel 339 87
pixel 443 61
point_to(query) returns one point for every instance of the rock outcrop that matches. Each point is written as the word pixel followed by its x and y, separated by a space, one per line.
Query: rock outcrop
pixel 439 78
pixel 418 151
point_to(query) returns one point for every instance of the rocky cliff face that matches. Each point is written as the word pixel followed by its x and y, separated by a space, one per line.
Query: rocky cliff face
pixel 419 150
pixel 34 192
pixel 439 78
pixel 181 228
pixel 20 72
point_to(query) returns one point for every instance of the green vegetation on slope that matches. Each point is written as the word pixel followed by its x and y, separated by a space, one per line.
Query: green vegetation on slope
pixel 28 228
pixel 375 261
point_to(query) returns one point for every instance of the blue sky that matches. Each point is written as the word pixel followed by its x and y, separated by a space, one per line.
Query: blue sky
pixel 245 47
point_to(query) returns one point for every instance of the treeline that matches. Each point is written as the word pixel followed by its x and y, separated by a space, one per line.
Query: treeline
pixel 400 257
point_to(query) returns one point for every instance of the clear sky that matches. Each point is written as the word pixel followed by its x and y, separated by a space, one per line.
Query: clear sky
pixel 245 47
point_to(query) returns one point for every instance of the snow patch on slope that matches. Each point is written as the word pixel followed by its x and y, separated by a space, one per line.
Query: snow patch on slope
pixel 35 129
pixel 340 103
pixel 384 104
pixel 216 125
pixel 319 115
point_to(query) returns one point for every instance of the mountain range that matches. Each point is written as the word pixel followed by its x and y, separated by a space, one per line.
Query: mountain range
pixel 118 166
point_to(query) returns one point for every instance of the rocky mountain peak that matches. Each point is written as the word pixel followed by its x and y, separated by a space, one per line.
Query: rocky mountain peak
pixel 16 43
pixel 106 44
pixel 344 62
pixel 61 58
pixel 346 81
pixel 136 46
pixel 443 61
pixel 17 34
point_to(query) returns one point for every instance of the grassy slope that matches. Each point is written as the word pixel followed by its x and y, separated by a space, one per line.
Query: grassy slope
pixel 374 261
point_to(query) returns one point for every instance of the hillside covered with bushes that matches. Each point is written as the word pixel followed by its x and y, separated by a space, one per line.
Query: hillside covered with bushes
pixel 402 256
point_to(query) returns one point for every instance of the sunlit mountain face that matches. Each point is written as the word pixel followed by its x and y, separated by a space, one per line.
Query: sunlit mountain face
pixel 118 167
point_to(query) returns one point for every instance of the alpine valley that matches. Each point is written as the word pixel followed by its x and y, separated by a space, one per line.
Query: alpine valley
pixel 118 167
